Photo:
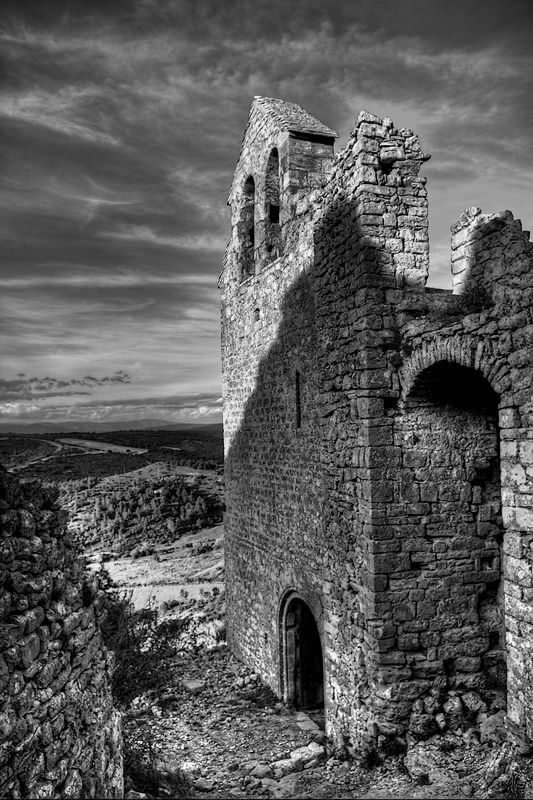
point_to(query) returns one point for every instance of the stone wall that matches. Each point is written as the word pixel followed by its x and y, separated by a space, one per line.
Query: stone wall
pixel 444 593
pixel 267 470
pixel 397 507
pixel 60 736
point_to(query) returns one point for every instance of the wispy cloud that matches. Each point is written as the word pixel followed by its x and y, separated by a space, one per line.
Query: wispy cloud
pixel 23 388
pixel 60 111
pixel 143 233
pixel 90 280
pixel 205 407
pixel 121 127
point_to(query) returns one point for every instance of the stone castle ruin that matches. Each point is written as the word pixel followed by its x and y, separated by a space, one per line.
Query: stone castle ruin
pixel 378 435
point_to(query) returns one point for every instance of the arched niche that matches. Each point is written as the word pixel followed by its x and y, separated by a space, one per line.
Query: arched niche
pixel 451 511
pixel 273 244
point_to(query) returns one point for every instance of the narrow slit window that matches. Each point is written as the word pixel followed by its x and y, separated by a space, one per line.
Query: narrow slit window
pixel 298 400
pixel 273 213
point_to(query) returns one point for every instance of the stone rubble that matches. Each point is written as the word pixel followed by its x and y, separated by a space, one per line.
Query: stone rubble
pixel 238 741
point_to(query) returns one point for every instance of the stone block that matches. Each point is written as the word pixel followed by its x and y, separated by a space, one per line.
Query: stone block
pixel 524 518
pixel 286 766
pixel 423 725
pixel 365 174
pixel 26 523
pixel 409 642
pixel 509 418
pixel 30 647
pixel 261 771
pixel 193 685
pixel 493 728
pixel 34 617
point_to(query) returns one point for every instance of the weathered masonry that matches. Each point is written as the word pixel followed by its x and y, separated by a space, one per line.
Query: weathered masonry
pixel 379 436
pixel 59 733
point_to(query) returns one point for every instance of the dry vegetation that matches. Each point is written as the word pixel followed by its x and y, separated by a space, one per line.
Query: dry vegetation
pixel 120 517
pixel 15 450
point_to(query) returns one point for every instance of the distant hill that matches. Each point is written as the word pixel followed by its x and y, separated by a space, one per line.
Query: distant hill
pixel 189 427
pixel 188 445
pixel 103 427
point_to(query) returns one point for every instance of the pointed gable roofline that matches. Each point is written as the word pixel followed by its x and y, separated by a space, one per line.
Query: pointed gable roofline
pixel 291 117
pixel 280 116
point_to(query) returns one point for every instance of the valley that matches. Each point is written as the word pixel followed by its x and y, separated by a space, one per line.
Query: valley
pixel 74 455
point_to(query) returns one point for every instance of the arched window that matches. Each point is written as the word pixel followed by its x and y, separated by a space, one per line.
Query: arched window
pixel 246 228
pixel 272 225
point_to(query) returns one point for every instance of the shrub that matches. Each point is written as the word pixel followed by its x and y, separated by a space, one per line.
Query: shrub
pixel 140 641
pixel 142 771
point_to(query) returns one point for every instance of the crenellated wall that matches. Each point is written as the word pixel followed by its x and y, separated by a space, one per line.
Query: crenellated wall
pixel 59 733
pixel 378 442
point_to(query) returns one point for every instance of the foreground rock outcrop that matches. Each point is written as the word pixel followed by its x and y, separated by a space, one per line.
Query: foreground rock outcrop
pixel 59 733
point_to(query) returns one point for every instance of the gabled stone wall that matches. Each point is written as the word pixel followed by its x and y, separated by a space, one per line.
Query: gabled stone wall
pixel 60 736
pixel 393 495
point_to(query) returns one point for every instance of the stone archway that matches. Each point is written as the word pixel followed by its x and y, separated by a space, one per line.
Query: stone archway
pixel 448 607
pixel 302 661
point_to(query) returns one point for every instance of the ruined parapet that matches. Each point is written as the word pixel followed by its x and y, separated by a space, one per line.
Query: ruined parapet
pixel 375 206
pixel 491 255
pixel 60 736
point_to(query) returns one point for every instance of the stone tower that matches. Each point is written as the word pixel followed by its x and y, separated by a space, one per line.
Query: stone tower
pixel 378 436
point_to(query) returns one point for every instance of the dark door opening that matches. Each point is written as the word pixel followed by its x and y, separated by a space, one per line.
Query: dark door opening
pixel 303 658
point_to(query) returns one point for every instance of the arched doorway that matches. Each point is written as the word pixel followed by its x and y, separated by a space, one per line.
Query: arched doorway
pixel 303 670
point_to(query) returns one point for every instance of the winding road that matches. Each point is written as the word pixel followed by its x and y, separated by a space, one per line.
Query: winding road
pixel 82 446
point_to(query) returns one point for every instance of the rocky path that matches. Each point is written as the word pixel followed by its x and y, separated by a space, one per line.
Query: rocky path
pixel 231 738
pixel 230 735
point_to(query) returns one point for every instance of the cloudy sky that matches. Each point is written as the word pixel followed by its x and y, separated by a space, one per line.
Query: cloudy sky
pixel 120 127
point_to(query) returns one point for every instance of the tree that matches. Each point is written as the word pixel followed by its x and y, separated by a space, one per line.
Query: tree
pixel 171 526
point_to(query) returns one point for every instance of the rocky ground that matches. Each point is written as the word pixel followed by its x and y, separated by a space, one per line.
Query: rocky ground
pixel 231 738
pixel 211 730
